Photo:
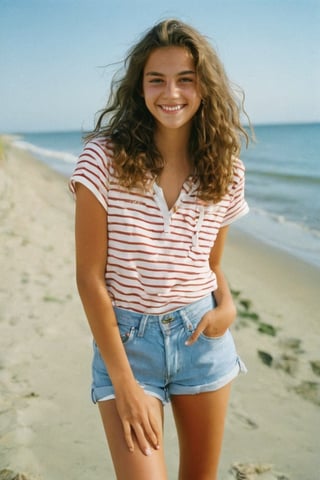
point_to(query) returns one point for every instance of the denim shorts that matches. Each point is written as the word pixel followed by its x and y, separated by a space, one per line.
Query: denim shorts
pixel 161 362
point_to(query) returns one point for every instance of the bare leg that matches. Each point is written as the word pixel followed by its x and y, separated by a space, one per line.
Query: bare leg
pixel 200 424
pixel 136 465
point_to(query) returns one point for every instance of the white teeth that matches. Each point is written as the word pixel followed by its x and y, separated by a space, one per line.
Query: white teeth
pixel 172 108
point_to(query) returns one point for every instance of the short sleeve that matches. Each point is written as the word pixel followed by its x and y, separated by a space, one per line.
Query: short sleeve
pixel 237 203
pixel 93 170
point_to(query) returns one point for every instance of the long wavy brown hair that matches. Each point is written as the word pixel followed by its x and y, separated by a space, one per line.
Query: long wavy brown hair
pixel 216 132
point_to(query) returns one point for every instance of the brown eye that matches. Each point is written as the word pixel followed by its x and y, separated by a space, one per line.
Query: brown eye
pixel 156 80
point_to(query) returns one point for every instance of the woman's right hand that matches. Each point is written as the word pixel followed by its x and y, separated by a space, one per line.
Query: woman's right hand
pixel 140 421
pixel 138 417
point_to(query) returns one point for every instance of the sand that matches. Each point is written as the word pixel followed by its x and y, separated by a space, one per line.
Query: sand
pixel 49 430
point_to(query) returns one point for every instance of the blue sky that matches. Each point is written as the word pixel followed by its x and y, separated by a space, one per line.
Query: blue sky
pixel 52 53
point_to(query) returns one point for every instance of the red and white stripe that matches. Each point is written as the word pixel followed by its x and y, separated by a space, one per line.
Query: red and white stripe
pixel 157 259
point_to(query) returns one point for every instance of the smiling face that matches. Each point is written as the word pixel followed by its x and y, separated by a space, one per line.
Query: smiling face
pixel 170 87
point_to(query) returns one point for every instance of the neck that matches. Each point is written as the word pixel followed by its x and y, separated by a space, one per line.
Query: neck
pixel 173 144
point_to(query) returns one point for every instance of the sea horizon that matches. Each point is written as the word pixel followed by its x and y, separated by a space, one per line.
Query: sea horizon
pixel 75 129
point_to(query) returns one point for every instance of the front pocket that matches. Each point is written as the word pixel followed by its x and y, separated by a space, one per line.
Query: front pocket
pixel 213 339
pixel 126 333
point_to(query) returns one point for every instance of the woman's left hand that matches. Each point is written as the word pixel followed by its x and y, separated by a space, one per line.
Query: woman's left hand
pixel 214 323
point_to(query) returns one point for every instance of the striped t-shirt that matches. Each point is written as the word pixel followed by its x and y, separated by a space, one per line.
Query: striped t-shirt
pixel 157 258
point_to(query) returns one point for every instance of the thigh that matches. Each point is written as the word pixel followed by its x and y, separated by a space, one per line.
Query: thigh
pixel 200 423
pixel 136 465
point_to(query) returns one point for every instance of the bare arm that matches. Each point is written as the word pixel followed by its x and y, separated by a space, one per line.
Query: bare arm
pixel 222 294
pixel 216 322
pixel 91 257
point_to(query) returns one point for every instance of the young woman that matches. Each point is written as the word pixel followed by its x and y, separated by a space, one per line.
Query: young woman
pixel 156 187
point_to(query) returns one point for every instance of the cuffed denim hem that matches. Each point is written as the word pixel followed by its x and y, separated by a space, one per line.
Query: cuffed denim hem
pixel 209 387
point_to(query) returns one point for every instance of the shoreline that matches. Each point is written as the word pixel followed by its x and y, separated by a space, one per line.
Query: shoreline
pixel 276 216
pixel 268 228
pixel 252 227
pixel 48 426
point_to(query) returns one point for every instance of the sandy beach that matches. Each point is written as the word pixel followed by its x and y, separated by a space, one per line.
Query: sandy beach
pixel 49 429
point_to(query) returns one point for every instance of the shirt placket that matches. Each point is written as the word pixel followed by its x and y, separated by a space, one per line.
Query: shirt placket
pixel 162 204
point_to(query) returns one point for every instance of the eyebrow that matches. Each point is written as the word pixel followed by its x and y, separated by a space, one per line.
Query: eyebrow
pixel 158 74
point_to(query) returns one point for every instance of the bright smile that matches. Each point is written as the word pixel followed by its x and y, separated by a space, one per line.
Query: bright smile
pixel 171 108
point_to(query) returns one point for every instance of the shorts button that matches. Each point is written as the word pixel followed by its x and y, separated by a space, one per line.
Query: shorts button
pixel 167 320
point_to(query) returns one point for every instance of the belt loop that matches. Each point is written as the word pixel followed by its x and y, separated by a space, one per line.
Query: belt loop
pixel 187 323
pixel 142 325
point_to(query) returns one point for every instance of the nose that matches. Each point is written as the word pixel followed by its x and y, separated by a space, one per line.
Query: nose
pixel 171 89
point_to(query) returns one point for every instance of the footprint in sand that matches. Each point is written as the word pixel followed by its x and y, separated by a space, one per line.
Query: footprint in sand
pixel 252 471
pixel 309 391
pixel 286 362
pixel 244 420
pixel 292 344
pixel 11 475
pixel 315 365
pixel 288 359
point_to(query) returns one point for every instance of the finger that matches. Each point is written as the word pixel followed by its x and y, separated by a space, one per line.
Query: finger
pixel 141 439
pixel 128 436
pixel 154 433
pixel 195 335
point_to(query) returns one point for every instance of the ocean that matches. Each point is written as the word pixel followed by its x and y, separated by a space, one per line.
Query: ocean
pixel 282 182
